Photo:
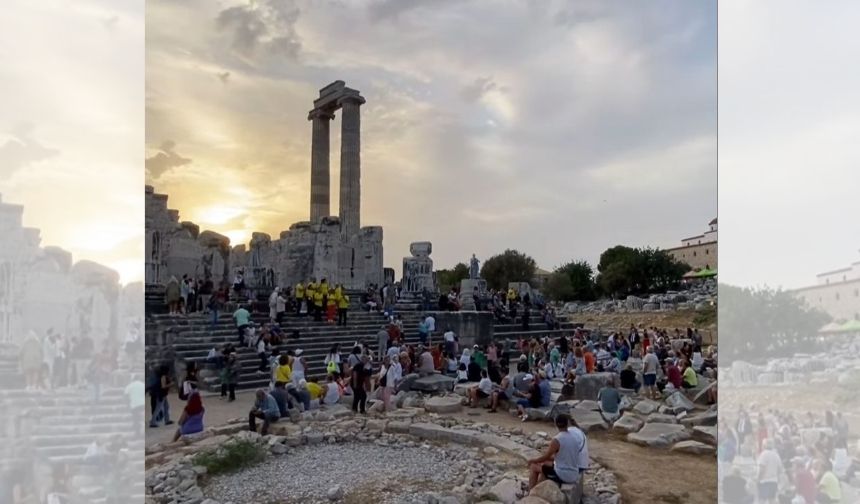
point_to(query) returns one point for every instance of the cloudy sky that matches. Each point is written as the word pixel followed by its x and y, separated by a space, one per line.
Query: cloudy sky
pixel 789 135
pixel 71 125
pixel 556 128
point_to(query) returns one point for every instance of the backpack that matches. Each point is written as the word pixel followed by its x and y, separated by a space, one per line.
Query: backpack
pixel 331 367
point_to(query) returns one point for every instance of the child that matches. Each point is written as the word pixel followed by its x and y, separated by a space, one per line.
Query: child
pixel 452 365
pixel 462 376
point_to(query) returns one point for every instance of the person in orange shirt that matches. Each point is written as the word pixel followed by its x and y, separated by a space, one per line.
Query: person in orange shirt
pixel 589 360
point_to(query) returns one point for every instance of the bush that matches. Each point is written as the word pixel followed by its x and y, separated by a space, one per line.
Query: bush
pixel 230 457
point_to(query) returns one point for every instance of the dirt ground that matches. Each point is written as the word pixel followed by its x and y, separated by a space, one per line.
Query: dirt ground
pixel 645 475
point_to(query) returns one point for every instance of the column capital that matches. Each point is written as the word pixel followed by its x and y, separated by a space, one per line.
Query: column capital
pixel 351 98
pixel 320 114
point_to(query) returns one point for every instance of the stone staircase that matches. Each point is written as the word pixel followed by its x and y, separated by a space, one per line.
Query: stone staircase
pixel 193 337
pixel 537 329
pixel 58 427
pixel 10 375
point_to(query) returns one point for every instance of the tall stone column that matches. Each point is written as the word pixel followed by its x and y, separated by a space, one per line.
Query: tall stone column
pixel 350 165
pixel 320 177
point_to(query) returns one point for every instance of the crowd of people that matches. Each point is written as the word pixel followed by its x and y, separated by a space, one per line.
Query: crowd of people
pixel 796 459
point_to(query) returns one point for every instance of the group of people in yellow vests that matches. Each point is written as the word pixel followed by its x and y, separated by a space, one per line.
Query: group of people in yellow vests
pixel 318 298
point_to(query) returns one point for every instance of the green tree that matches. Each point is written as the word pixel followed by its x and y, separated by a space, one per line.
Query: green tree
pixel 763 323
pixel 447 278
pixel 509 266
pixel 625 270
pixel 578 286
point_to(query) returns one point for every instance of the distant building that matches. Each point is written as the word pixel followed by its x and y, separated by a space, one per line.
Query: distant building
pixel 698 251
pixel 836 292
pixel 541 278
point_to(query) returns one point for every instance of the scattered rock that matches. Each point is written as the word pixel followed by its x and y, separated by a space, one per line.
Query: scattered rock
pixel 334 493
pixel 548 491
pixel 443 404
pixel 628 423
pixel 659 435
pixel 693 447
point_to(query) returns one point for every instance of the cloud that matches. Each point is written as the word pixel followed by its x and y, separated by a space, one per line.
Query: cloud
pixel 21 150
pixel 477 89
pixel 392 9
pixel 224 77
pixel 266 26
pixel 166 159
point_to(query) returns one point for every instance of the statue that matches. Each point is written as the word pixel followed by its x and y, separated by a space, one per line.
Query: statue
pixel 473 268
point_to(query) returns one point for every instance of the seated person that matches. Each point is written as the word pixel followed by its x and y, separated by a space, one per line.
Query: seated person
pixel 462 375
pixel 191 420
pixel 503 392
pixel 610 400
pixel 690 379
pixel 283 398
pixel 530 399
pixel 628 378
pixel 332 392
pixel 473 370
pixel 266 409
pixel 560 461
pixel 482 390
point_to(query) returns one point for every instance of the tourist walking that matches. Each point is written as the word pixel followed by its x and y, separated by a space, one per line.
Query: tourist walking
pixel 560 461
pixel 266 409
pixel 342 308
pixel 230 377
pixel 135 394
pixel 172 295
pixel 243 319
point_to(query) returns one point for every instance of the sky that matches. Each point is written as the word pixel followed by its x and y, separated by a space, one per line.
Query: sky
pixel 789 135
pixel 555 128
pixel 71 125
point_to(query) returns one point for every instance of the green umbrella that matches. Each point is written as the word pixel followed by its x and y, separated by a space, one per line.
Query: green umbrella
pixel 851 326
pixel 706 272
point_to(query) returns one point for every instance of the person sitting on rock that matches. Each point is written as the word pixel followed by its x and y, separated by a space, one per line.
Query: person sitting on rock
pixel 691 380
pixel 283 398
pixel 610 400
pixel 191 420
pixel 426 366
pixel 480 391
pixel 560 461
pixel 503 392
pixel 530 399
pixel 266 409
pixel 332 391
pixel 628 378
pixel 473 370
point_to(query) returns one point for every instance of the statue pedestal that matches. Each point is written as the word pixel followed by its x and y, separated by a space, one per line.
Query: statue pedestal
pixel 467 288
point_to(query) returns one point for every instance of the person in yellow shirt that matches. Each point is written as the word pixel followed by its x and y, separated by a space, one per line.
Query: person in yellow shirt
pixel 338 291
pixel 318 305
pixel 284 373
pixel 342 308
pixel 314 389
pixel 300 296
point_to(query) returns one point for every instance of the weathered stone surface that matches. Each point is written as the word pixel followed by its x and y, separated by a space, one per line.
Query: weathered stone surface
pixel 693 447
pixel 628 423
pixel 531 499
pixel 588 420
pixel 548 491
pixel 661 418
pixel 646 407
pixel 708 418
pixel 706 434
pixel 433 383
pixel 587 386
pixel 678 402
pixel 443 404
pixel 463 436
pixel 659 435
pixel 507 490
pixel 588 405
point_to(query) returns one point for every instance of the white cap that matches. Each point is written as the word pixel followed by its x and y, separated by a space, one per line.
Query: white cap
pixel 528 377
pixel 299 352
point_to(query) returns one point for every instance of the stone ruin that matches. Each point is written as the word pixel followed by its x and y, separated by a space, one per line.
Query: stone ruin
pixel 418 269
pixel 333 247
pixel 42 288
pixel 696 297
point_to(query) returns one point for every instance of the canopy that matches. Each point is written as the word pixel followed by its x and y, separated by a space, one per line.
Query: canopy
pixel 851 326
pixel 705 272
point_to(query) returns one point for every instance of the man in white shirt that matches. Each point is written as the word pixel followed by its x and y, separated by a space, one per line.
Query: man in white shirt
pixel 450 340
pixel 649 373
pixel 769 468
pixel 480 391
pixel 430 322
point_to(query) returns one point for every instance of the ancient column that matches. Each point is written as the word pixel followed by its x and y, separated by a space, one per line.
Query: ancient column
pixel 350 165
pixel 320 178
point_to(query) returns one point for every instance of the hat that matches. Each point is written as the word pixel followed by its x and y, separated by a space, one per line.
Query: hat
pixel 299 352
pixel 528 377
pixel 302 382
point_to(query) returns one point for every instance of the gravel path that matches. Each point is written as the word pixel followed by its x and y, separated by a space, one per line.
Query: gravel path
pixel 365 472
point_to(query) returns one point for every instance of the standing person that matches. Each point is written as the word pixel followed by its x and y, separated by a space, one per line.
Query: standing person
pixel 649 373
pixel 230 377
pixel 135 393
pixel 216 302
pixel 243 319
pixel 769 467
pixel 162 389
pixel 300 297
pixel 382 342
pixel 430 323
pixel 30 360
pixel 342 308
pixel 262 354
pixel 207 289
pixel 50 352
pixel 273 305
pixel 265 408
pixel 332 360
pixel 172 295
pixel 183 294
pixel 450 341
pixel 360 383
pixel 330 308
pixel 560 462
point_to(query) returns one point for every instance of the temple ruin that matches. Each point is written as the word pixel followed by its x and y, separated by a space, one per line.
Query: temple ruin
pixel 333 247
